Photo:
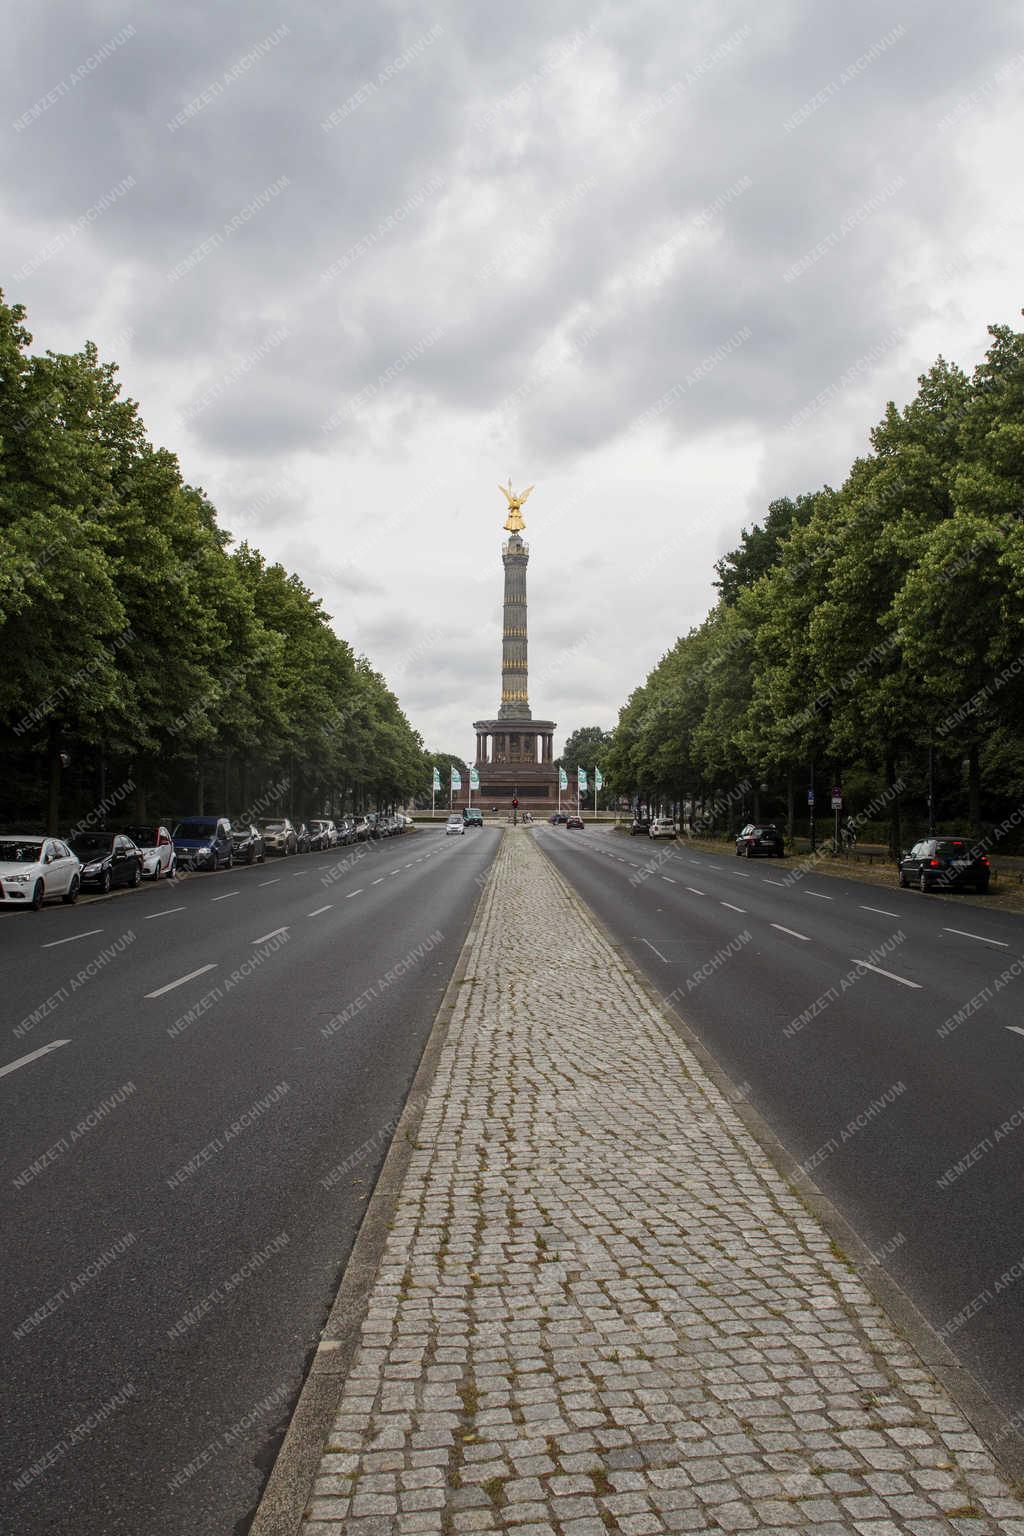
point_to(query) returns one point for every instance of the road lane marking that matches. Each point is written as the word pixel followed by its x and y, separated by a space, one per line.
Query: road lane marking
pixel 742 874
pixel 732 908
pixel 378 881
pixel 318 911
pixel 652 946
pixel 23 1061
pixel 182 980
pixel 792 932
pixel 880 910
pixel 224 897
pixel 271 882
pixel 780 883
pixel 820 895
pixel 695 891
pixel 354 893
pixel 668 879
pixel 298 872
pixel 166 913
pixel 87 935
pixel 267 936
pixel 891 974
pixel 980 937
pixel 394 871
pixel 1015 1027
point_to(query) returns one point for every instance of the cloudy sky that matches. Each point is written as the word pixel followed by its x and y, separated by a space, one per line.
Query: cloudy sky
pixel 665 260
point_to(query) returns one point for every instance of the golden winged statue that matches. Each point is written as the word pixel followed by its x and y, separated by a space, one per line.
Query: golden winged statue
pixel 514 522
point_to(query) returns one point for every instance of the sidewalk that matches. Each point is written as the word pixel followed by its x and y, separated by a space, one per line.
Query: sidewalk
pixel 600 1308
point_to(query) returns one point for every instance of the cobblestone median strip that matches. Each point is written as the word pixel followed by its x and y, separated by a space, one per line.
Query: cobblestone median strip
pixel 601 1308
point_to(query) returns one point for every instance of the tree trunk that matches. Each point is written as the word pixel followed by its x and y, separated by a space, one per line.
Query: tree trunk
pixel 895 829
pixel 757 802
pixel 53 785
pixel 974 790
pixel 790 804
pixel 200 786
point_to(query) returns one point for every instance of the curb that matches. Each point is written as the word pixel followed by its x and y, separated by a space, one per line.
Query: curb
pixel 1004 1442
pixel 282 1506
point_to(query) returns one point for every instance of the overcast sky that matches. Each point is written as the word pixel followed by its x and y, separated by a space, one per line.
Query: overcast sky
pixel 664 259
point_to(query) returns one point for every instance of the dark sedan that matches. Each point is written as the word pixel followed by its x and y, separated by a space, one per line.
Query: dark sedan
pixel 247 843
pixel 108 858
pixel 757 841
pixel 641 824
pixel 573 821
pixel 944 864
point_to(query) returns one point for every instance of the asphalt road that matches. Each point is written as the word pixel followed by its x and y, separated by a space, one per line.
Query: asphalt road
pixel 186 1163
pixel 897 1084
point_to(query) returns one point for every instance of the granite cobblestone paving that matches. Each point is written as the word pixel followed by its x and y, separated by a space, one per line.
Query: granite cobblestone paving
pixel 601 1308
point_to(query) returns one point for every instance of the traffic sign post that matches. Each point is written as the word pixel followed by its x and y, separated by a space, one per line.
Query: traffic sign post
pixel 837 805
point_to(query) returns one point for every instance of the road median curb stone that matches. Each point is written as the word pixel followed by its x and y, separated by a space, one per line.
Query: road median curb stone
pixel 601 1306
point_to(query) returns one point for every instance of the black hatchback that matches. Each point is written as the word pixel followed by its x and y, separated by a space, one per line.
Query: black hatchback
pixel 756 841
pixel 945 864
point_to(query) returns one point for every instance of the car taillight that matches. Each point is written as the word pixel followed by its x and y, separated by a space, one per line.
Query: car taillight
pixel 935 864
pixel 984 859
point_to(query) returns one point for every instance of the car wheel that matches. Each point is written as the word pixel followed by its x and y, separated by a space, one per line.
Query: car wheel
pixel 982 887
pixel 902 880
pixel 750 852
pixel 136 876
pixel 71 895
pixel 924 884
pixel 37 896
pixel 158 871
pixel 251 856
pixel 105 883
pixel 172 869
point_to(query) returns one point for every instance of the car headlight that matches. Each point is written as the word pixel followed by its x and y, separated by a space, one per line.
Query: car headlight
pixel 92 869
pixel 17 879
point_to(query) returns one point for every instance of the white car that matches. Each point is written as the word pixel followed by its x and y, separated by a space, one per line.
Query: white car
pixel 455 826
pixel 157 848
pixel 34 869
pixel 662 826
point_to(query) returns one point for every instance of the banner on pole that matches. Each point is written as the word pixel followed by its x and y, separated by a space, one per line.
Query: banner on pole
pixel 581 778
pixel 474 779
pixel 563 779
pixel 437 782
pixel 456 779
pixel 598 780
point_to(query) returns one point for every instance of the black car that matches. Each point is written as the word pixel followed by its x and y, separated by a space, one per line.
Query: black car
pixel 204 842
pixel 108 858
pixel 472 817
pixel 757 840
pixel 641 824
pixel 302 842
pixel 247 843
pixel 944 864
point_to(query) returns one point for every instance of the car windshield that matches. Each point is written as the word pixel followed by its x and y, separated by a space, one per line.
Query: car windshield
pixel 454 821
pixel 144 837
pixel 12 852
pixel 272 826
pixel 195 829
pixel 92 842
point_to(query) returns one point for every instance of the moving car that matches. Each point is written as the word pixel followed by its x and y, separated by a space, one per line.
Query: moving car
pixel 247 843
pixel 756 839
pixel 472 817
pixel 34 869
pixel 640 824
pixel 204 842
pixel 558 818
pixel 945 864
pixel 157 848
pixel 107 858
pixel 279 835
pixel 455 826
pixel 573 821
pixel 662 826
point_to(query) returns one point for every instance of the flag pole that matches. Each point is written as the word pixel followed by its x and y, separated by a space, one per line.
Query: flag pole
pixel 595 794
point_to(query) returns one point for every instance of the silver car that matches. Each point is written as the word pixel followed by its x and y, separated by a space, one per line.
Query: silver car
pixel 455 826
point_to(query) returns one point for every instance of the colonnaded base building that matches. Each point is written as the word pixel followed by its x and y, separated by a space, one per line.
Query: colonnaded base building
pixel 514 753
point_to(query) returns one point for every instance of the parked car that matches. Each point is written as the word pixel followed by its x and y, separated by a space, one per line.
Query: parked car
pixel 756 840
pixel 944 864
pixel 247 845
pixel 331 833
pixel 558 818
pixel 346 831
pixel 35 869
pixel 386 825
pixel 279 835
pixel 319 837
pixel 455 826
pixel 157 847
pixel 204 842
pixel 640 824
pixel 362 828
pixel 472 817
pixel 662 826
pixel 573 821
pixel 107 858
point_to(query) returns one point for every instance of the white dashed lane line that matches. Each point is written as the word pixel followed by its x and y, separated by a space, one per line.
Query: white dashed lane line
pixel 792 932
pixel 166 913
pixel 668 879
pixel 820 895
pixel 354 893
pixel 652 946
pixel 880 910
pixel 891 974
pixel 742 874
pixel 271 882
pixel 732 908
pixel 23 1061
pixel 224 897
pixel 182 980
pixel 780 883
pixel 88 934
pixel 979 936
pixel 378 881
pixel 267 936
pixel 694 891
pixel 318 911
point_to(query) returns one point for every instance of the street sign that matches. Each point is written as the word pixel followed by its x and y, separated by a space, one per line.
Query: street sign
pixel 837 799
pixel 810 797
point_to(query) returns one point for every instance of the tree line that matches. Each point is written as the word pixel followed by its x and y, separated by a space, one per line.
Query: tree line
pixel 870 637
pixel 148 664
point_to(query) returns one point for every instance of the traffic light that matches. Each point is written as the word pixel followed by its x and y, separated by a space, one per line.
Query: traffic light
pixel 515 805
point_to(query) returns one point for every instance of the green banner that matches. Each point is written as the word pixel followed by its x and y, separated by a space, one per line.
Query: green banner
pixel 456 779
pixel 563 779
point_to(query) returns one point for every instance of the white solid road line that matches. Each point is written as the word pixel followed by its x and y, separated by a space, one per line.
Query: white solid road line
pixel 224 897
pixel 267 936
pixel 891 974
pixel 354 893
pixel 979 936
pixel 166 913
pixel 694 890
pixel 820 895
pixel 792 932
pixel 732 908
pixel 880 910
pixel 86 935
pixel 23 1061
pixel 270 882
pixel 182 980
pixel 652 946
pixel 328 907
